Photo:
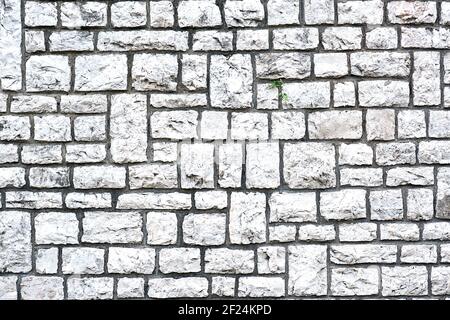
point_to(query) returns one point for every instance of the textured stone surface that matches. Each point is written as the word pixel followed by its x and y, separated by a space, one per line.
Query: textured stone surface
pixel 15 242
pixel 307 270
pixel 224 149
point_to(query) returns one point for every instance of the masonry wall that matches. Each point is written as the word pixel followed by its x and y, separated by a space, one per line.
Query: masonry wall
pixel 218 149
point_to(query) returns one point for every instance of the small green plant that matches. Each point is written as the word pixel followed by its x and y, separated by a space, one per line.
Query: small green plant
pixel 278 84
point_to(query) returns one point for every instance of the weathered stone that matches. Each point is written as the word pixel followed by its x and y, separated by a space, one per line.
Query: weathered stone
pixel 101 72
pixel 247 218
pixel 395 153
pixel 342 38
pixel 344 94
pixel 155 72
pixel 194 71
pixel 149 200
pixel 319 11
pixel 204 229
pixel 343 205
pixel 153 176
pixel 309 165
pixel 252 40
pixel 355 232
pixel 230 165
pixel 91 177
pixel 411 124
pixel 282 233
pixel 400 281
pixel 443 193
pixel 34 104
pixel 57 177
pixel 360 177
pixel 197 166
pixel 420 204
pixel 130 260
pixel 354 281
pixel 178 288
pixel 249 126
pixel 261 287
pixel 83 14
pixel 418 253
pixel 405 12
pixel 161 228
pixel 144 40
pixel 83 260
pixel 179 260
pixel 231 261
pixel 382 38
pixel 89 288
pixel 399 231
pixel 33 200
pixel 15 243
pixel 307 95
pixel 363 253
pixel 161 14
pixel 295 39
pixel 85 153
pixel 283 65
pixel 56 228
pixel 42 288
pixel 52 128
pixel 288 125
pixel 282 12
pixel 263 167
pixel 271 260
pixel 223 286
pixel 426 79
pixel 128 128
pixel 47 261
pixel 12 177
pixel 380 124
pixel 386 204
pixel 212 40
pixel 231 81
pixel 383 93
pixel 357 12
pixel 130 288
pixel 175 125
pixel 198 14
pixel 112 227
pixel 40 154
pixel 380 64
pixel 335 125
pixel 355 154
pixel 307 270
pixel 420 176
pixel 243 13
pixel 71 41
pixel 293 207
pixel 48 73
pixel 311 232
pixel 214 125
pixel 128 14
pixel 211 200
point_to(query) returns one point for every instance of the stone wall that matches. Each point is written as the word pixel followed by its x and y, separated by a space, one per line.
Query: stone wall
pixel 238 148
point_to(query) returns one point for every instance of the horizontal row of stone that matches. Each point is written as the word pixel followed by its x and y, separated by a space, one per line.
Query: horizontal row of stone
pixel 332 38
pixel 165 176
pixel 197 163
pixel 267 260
pixel 395 281
pixel 248 13
pixel 214 125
